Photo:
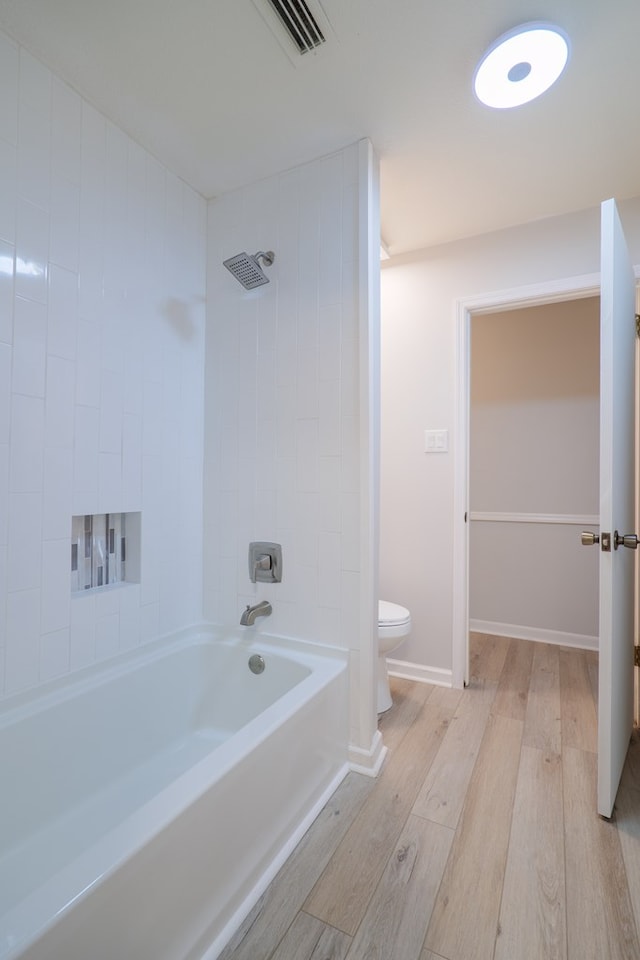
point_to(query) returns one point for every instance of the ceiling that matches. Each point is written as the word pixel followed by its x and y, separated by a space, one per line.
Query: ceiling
pixel 209 89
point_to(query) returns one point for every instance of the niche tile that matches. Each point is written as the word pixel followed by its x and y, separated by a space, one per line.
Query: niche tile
pixel 105 550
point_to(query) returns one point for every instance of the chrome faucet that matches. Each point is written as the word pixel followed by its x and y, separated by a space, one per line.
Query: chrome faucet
pixel 249 615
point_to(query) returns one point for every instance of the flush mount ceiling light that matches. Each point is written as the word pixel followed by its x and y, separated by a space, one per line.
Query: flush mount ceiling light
pixel 521 65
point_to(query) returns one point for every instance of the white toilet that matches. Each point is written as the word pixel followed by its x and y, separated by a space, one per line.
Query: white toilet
pixel 394 624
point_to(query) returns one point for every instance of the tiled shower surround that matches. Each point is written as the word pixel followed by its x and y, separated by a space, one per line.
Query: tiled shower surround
pixel 102 295
pixel 103 257
pixel 282 445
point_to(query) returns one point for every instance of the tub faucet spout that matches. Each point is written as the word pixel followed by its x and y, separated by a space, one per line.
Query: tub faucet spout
pixel 249 615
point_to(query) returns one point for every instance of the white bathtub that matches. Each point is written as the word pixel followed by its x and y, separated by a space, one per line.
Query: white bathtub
pixel 144 806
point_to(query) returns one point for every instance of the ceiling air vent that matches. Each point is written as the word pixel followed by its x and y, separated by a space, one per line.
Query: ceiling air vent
pixel 300 23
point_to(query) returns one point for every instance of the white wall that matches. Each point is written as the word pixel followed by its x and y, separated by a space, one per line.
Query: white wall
pixel 102 285
pixel 534 444
pixel 283 410
pixel 419 295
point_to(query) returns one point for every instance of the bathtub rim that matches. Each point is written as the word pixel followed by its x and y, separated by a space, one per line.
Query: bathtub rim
pixel 38 698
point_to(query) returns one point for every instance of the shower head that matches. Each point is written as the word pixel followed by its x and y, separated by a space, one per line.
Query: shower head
pixel 247 269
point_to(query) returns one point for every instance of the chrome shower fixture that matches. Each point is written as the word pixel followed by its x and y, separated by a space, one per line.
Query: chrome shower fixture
pixel 247 269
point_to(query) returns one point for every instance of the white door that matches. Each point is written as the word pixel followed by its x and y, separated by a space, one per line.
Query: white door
pixel 617 465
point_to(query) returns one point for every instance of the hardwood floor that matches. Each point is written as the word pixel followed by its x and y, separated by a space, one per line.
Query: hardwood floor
pixel 479 840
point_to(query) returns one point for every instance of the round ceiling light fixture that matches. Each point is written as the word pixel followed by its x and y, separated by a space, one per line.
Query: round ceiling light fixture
pixel 521 65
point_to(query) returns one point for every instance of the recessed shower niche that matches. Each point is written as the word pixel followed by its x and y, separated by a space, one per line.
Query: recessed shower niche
pixel 105 550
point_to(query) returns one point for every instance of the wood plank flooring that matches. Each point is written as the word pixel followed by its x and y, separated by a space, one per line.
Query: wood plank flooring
pixel 479 840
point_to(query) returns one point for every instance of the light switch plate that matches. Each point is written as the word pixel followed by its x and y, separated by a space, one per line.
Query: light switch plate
pixel 436 441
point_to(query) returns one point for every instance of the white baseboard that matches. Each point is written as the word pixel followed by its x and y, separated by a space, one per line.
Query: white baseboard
pixel 416 671
pixel 534 633
pixel 368 761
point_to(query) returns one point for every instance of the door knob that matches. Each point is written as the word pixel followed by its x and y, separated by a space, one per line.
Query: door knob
pixel 629 540
pixel 588 538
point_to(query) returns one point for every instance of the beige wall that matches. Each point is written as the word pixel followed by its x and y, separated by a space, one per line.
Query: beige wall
pixel 419 295
pixel 534 429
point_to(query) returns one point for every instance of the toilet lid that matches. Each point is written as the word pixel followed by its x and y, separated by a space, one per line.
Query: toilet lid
pixel 391 613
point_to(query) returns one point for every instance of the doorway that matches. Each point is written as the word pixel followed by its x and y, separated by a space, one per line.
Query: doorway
pixel 534 472
pixel 511 300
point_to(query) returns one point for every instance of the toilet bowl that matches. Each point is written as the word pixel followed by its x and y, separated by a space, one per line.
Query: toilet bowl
pixel 394 624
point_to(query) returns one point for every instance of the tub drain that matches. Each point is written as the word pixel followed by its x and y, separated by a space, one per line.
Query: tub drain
pixel 256 663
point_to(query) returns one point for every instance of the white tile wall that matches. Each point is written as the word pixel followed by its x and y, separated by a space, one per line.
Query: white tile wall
pixel 130 617
pixel 7 254
pixel 102 350
pixel 26 465
pixel 56 586
pixel 29 347
pixel 82 619
pixel 8 161
pixel 102 288
pixel 62 324
pixel 54 654
pixel 282 442
pixel 9 65
pixel 5 391
pixel 3 606
pixel 57 492
pixel 59 403
pixel 32 251
pixel 4 498
pixel 22 660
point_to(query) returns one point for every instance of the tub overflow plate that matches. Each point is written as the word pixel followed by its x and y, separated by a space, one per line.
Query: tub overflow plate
pixel 256 663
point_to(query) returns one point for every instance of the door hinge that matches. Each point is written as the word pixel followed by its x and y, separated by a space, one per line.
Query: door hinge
pixel 637 324
pixel 636 656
